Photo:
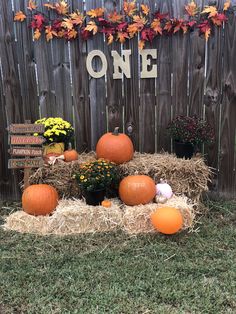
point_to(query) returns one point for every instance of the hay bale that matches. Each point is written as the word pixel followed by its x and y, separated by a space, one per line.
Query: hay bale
pixel 75 217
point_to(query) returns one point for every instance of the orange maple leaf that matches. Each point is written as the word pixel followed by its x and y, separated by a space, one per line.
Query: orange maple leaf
pixel 49 6
pixel 129 7
pixel 96 12
pixel 77 18
pixel 211 10
pixel 19 16
pixel 31 5
pixel 61 7
pixel 50 33
pixel 37 34
pixel 227 5
pixel 168 26
pixel 110 39
pixel 191 8
pixel 156 26
pixel 207 33
pixel 145 9
pixel 141 44
pixel 61 33
pixel 139 21
pixel 67 23
pixel 114 17
pixel 122 37
pixel 72 34
pixel 92 27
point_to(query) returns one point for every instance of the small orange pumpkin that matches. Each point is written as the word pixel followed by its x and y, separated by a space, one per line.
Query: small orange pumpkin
pixel 137 189
pixel 70 154
pixel 116 147
pixel 167 220
pixel 39 199
pixel 106 203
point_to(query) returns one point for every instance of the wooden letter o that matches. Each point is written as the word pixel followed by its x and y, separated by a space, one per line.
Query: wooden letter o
pixel 91 55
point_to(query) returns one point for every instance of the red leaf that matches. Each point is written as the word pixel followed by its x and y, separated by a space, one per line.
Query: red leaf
pixel 122 26
pixel 85 35
pixel 39 19
pixel 160 16
pixel 148 34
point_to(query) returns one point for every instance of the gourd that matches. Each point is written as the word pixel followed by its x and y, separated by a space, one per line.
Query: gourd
pixel 70 154
pixel 39 199
pixel 106 203
pixel 116 147
pixel 164 189
pixel 167 220
pixel 137 189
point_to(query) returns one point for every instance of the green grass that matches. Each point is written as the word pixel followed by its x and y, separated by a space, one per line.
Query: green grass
pixel 115 273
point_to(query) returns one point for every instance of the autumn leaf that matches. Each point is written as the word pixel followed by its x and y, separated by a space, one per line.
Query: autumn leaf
pixel 72 34
pixel 67 23
pixel 31 5
pixel 114 17
pixel 50 33
pixel 92 27
pixel 145 9
pixel 61 33
pixel 205 29
pixel 180 25
pixel 211 10
pixel 207 33
pixel 122 37
pixel 129 7
pixel 96 12
pixel 147 34
pixel 132 30
pixel 110 39
pixel 156 26
pixel 19 16
pixel 191 8
pixel 141 44
pixel 139 21
pixel 49 6
pixel 61 7
pixel 227 5
pixel 37 34
pixel 37 21
pixel 77 18
pixel 168 26
pixel 218 19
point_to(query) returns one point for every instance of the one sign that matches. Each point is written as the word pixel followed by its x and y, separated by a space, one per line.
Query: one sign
pixel 25 163
pixel 25 151
pixel 26 140
pixel 26 128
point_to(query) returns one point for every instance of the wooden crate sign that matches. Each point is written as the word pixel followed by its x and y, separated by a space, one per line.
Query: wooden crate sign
pixel 26 140
pixel 25 151
pixel 26 128
pixel 25 163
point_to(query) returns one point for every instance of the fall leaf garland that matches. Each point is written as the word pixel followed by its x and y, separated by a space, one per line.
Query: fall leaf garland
pixel 120 26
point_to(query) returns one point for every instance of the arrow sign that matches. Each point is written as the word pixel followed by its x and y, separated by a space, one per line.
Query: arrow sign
pixel 25 151
pixel 25 163
pixel 26 128
pixel 26 140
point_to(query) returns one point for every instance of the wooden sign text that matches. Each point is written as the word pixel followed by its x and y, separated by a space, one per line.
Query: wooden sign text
pixel 25 163
pixel 26 128
pixel 26 140
pixel 25 151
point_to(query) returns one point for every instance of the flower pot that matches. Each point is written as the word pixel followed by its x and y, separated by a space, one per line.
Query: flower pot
pixel 184 150
pixel 54 148
pixel 94 198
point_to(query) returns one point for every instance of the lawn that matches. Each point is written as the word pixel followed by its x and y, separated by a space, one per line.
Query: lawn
pixel 115 273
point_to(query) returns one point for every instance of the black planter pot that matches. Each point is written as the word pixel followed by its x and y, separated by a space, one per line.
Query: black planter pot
pixel 94 198
pixel 184 150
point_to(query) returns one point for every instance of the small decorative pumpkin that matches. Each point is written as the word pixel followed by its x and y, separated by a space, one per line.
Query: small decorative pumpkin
pixel 164 189
pixel 167 220
pixel 70 154
pixel 116 147
pixel 160 199
pixel 106 203
pixel 39 199
pixel 137 189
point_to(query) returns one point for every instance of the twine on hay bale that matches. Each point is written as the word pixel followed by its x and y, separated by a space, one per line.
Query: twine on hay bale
pixel 75 217
pixel 189 177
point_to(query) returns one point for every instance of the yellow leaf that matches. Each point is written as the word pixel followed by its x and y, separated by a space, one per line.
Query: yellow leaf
pixel 37 34
pixel 114 17
pixel 49 6
pixel 110 39
pixel 211 10
pixel 227 5
pixel 67 23
pixel 145 9
pixel 72 34
pixel 96 12
pixel 31 5
pixel 61 7
pixel 191 8
pixel 156 26
pixel 19 16
pixel 122 37
pixel 77 18
pixel 49 33
pixel 132 30
pixel 129 7
pixel 207 33
pixel 92 27
pixel 141 44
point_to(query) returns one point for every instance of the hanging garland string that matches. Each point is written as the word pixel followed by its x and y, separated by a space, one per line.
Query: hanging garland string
pixel 120 26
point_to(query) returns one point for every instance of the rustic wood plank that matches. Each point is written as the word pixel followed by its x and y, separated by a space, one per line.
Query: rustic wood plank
pixel 97 86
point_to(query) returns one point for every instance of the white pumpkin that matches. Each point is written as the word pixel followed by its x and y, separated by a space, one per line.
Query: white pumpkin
pixel 164 189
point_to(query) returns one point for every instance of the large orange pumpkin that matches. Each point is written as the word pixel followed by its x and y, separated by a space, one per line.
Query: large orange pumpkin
pixel 70 154
pixel 116 147
pixel 39 199
pixel 167 220
pixel 137 189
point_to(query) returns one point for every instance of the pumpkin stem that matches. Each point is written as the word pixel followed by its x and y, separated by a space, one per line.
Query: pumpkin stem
pixel 116 131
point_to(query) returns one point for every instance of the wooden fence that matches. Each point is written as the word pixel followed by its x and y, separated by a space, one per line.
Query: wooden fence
pixel 40 79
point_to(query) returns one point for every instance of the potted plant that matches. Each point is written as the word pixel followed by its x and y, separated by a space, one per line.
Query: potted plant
pixel 57 134
pixel 187 133
pixel 95 177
